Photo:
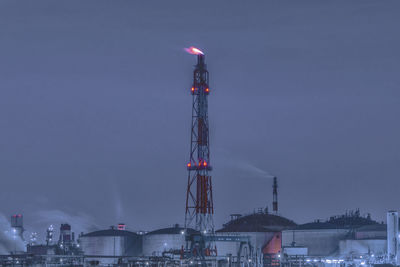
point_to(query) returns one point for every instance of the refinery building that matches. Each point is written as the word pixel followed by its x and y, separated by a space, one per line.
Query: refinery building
pixel 261 238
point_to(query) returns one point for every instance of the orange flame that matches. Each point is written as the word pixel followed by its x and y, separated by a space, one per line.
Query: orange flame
pixel 194 51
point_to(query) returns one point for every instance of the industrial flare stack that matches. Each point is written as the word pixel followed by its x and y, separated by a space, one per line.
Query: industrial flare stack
pixel 199 198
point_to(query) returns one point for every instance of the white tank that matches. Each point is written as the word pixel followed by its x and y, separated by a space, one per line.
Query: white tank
pixel 392 235
pixel 107 246
pixel 164 240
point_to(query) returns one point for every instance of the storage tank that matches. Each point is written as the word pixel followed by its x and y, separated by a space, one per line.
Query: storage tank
pixel 168 240
pixel 109 246
pixel 392 235
pixel 262 228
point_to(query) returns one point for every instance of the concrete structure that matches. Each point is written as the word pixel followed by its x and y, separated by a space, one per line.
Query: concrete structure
pixel 109 246
pixel 392 235
pixel 167 240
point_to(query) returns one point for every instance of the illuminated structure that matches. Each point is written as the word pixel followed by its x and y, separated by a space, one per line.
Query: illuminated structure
pixel 199 199
pixel 17 225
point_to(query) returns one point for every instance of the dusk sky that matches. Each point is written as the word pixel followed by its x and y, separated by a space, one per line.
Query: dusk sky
pixel 95 108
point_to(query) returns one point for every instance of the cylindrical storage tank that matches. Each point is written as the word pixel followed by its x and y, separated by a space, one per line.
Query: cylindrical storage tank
pixel 392 235
pixel 166 240
pixel 109 246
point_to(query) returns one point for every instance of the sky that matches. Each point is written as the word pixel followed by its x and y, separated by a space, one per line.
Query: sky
pixel 95 109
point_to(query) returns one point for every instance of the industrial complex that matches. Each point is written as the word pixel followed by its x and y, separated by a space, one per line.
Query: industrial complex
pixel 260 238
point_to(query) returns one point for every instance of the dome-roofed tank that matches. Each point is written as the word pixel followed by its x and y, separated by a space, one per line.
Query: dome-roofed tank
pixel 263 230
pixel 258 222
pixel 169 240
pixel 111 243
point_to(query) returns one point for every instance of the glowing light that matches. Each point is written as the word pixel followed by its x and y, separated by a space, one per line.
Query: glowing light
pixel 194 51
pixel 363 263
pixel 192 89
pixel 207 90
pixel 189 164
pixel 204 163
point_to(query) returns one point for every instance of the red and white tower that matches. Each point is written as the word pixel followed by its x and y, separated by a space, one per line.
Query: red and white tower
pixel 199 199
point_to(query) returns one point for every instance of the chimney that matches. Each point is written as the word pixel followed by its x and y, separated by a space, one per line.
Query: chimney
pixel 275 196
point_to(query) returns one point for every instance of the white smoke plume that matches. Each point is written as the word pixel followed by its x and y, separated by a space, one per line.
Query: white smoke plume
pixel 9 241
pixel 250 168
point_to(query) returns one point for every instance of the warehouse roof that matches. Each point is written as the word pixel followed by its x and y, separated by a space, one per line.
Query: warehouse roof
pixel 110 232
pixel 258 222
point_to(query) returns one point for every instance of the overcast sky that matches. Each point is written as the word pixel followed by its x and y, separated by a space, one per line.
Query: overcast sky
pixel 95 108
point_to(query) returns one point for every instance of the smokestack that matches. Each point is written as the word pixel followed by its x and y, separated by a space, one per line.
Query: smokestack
pixel 200 61
pixel 275 196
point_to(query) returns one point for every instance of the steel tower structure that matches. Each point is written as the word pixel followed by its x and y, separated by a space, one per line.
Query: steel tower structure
pixel 199 198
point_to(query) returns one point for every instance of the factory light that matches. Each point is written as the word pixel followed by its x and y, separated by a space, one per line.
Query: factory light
pixel 192 89
pixel 207 90
pixel 182 232
pixel 189 164
pixel 363 263
pixel 204 163
pixel 279 255
pixel 205 232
